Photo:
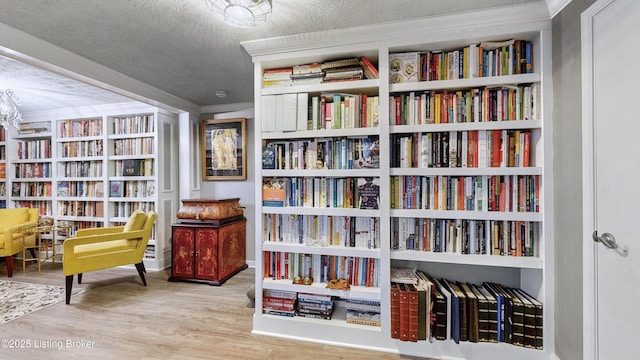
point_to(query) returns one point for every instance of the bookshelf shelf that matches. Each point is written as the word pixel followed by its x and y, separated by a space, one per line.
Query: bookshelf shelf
pixel 527 178
pixel 350 86
pixel 471 259
pixel 320 211
pixel 488 81
pixel 322 250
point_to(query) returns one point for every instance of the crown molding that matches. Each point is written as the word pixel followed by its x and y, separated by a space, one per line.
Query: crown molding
pixel 31 50
pixel 555 6
pixel 524 17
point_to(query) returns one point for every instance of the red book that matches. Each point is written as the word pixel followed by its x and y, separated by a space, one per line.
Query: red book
pixel 363 111
pixel 395 311
pixel 404 312
pixel 526 149
pixel 413 312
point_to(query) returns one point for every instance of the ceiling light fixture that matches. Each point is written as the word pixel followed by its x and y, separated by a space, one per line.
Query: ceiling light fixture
pixel 9 114
pixel 241 13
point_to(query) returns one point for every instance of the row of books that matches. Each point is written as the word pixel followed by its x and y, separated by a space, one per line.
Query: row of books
pixel 80 189
pixel 79 128
pixel 80 148
pixel 45 207
pixel 426 308
pixel 133 146
pixel 132 189
pixel 347 69
pixel 134 167
pixel 33 149
pixel 35 189
pixel 322 153
pixel 356 271
pixel 3 170
pixel 125 209
pixel 343 111
pixel 490 58
pixel 515 193
pixel 463 236
pixel 82 168
pixel 317 192
pixel 138 124
pixel 289 303
pixel 506 103
pixel 32 170
pixel 474 149
pixel 81 208
pixel 322 230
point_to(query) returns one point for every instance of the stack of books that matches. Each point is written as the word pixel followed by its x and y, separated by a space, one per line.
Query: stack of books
pixel 279 302
pixel 307 74
pixel 363 312
pixel 315 306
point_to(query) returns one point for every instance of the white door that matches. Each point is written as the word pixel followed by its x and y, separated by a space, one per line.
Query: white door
pixel 611 165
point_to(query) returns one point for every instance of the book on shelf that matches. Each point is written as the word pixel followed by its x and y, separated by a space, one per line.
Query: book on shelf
pixel 269 157
pixel 63 189
pixel 339 63
pixel 273 192
pixel 370 71
pixel 368 193
pixel 347 73
pixel 367 154
pixel 403 67
pixel 133 167
pixel 115 188
pixel 395 310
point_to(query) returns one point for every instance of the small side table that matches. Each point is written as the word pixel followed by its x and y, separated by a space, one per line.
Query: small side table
pixel 43 244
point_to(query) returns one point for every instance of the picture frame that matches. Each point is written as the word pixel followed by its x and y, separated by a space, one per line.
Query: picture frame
pixel 224 154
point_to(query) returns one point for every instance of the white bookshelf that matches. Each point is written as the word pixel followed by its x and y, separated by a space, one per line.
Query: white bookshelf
pixel 95 150
pixel 532 274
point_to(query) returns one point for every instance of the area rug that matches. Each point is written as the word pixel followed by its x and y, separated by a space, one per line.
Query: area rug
pixel 18 299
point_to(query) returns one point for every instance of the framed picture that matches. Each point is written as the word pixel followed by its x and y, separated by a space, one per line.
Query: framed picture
pixel 223 149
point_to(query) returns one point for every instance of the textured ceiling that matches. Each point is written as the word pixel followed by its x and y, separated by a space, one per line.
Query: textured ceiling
pixel 178 46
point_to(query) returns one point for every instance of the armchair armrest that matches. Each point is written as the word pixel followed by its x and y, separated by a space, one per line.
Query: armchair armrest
pixel 9 231
pixel 70 243
pixel 99 231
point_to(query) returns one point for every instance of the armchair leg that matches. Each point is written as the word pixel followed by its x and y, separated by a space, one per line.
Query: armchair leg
pixel 9 261
pixel 80 278
pixel 67 288
pixel 141 271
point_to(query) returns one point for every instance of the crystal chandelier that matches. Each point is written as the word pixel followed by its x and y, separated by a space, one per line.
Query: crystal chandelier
pixel 9 114
pixel 241 13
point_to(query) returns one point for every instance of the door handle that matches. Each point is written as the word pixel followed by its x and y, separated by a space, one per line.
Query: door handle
pixel 607 239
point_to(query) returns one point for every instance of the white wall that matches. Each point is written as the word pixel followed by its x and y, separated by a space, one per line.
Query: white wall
pixel 244 190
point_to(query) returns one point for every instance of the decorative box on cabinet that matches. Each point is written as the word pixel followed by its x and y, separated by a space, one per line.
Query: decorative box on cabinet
pixel 208 253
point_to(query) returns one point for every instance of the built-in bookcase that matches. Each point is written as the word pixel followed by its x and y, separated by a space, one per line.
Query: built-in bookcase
pixel 444 207
pixel 32 169
pixel 92 167
pixel 80 150
pixel 132 158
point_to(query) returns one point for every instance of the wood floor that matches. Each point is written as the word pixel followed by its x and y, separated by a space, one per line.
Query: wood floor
pixel 165 320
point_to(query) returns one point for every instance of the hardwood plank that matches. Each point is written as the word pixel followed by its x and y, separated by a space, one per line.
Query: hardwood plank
pixel 165 320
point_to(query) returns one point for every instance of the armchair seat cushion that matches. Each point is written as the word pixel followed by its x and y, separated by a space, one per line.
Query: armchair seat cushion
pixel 100 248
pixel 15 236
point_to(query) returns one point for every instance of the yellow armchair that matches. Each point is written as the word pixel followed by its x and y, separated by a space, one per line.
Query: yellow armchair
pixel 12 240
pixel 103 248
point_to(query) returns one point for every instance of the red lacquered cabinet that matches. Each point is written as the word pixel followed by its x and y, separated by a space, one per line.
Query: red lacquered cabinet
pixel 208 253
